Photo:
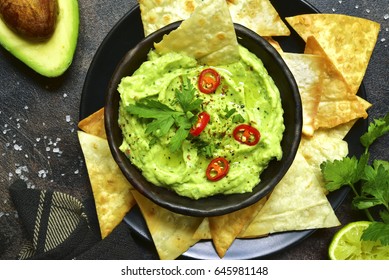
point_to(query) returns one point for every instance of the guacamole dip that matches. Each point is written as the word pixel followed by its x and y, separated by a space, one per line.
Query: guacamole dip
pixel 152 118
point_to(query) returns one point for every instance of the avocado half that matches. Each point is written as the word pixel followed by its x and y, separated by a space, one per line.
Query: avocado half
pixel 52 57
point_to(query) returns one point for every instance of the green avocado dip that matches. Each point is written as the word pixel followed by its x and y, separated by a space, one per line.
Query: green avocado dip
pixel 161 102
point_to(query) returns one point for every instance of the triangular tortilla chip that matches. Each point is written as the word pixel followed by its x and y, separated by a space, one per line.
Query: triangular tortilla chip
pixel 296 203
pixel 275 44
pixel 111 190
pixel 321 147
pixel 224 229
pixel 203 231
pixel 156 14
pixel 307 71
pixel 337 103
pixel 94 124
pixel 172 233
pixel 208 35
pixel 257 15
pixel 348 41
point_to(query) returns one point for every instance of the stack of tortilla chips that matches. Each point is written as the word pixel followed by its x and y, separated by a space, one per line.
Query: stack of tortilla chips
pixel 328 74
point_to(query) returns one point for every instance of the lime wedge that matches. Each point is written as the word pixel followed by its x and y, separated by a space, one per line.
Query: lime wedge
pixel 347 244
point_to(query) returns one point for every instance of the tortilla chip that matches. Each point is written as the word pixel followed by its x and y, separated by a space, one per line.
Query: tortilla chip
pixel 208 35
pixel 156 14
pixel 296 203
pixel 224 229
pixel 274 43
pixel 172 233
pixel 94 124
pixel 203 231
pixel 348 41
pixel 307 71
pixel 111 190
pixel 323 146
pixel 337 103
pixel 259 16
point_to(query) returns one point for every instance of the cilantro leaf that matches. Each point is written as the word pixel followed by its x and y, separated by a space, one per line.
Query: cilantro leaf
pixel 162 115
pixel 238 118
pixel 149 109
pixel 160 126
pixel 164 119
pixel 377 231
pixel 376 188
pixel 339 173
pixel 375 130
pixel 229 112
pixel 178 138
pixel 384 215
pixel 372 179
pixel 186 97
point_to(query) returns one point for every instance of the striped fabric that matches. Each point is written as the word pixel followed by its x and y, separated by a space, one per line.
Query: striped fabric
pixel 57 223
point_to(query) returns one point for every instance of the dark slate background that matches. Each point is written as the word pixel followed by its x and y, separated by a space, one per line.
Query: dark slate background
pixel 38 124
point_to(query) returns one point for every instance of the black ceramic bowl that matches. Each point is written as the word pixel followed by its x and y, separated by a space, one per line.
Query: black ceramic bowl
pixel 219 204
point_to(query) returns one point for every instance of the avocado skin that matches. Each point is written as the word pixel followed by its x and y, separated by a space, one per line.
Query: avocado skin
pixel 52 57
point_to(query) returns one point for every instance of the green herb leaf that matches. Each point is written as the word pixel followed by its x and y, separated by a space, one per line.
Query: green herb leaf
pixel 375 130
pixel 186 98
pixel 377 232
pixel 339 173
pixel 374 181
pixel 163 118
pixel 229 112
pixel 376 188
pixel 384 215
pixel 178 138
pixel 238 118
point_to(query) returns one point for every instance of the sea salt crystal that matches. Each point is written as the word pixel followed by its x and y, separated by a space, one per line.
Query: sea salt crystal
pixel 367 10
pixel 356 6
pixel 386 16
pixel 47 149
pixel 67 118
pixel 17 147
pixel 42 173
pixel 19 170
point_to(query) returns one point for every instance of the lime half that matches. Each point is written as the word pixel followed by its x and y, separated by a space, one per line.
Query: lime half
pixel 347 244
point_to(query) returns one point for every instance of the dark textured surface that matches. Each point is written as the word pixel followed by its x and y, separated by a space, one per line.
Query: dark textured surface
pixel 38 124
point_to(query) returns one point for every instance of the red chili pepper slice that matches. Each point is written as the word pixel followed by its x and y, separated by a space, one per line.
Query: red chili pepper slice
pixel 217 169
pixel 202 121
pixel 209 80
pixel 246 134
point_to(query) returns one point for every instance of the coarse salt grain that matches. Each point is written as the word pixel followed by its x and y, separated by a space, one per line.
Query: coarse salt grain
pixel 17 147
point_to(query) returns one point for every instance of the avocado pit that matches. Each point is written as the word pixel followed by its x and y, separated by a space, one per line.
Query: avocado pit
pixel 32 19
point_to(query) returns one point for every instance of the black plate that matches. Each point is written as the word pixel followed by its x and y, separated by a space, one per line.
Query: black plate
pixel 104 63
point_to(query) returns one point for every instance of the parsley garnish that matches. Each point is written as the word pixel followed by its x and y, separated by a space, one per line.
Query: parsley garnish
pixel 369 182
pixel 163 118
pixel 236 118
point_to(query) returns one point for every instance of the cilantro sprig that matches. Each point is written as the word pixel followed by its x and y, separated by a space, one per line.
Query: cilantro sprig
pixel 163 118
pixel 369 181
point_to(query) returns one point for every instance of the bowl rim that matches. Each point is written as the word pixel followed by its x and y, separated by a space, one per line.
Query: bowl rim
pixel 189 206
